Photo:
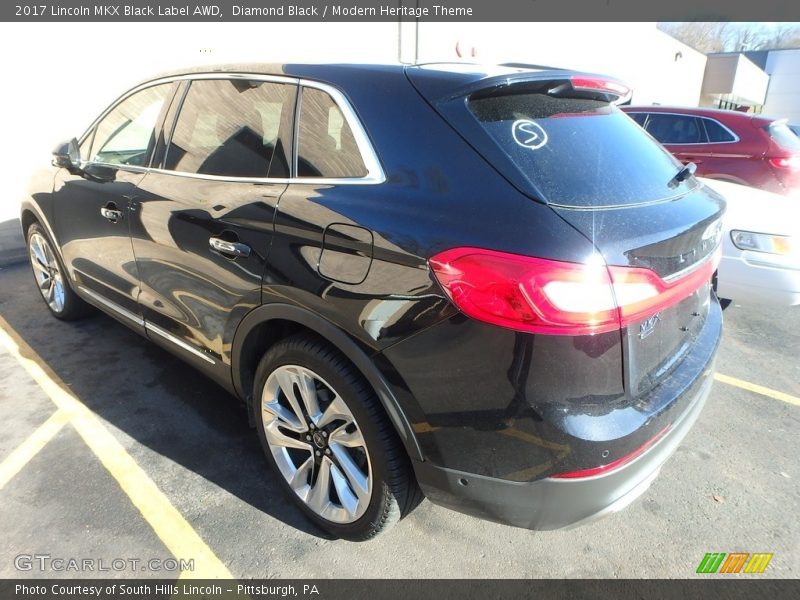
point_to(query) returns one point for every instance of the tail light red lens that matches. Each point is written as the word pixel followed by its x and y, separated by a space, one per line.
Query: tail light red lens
pixel 539 295
pixel 600 84
pixel 790 163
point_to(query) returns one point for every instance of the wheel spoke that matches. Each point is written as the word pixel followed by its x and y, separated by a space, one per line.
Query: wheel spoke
pixel 286 417
pixel 346 497
pixel 58 293
pixel 277 438
pixel 308 393
pixel 36 249
pixel 337 410
pixel 319 497
pixel 286 381
pixel 299 480
pixel 349 440
pixel 358 481
pixel 44 284
pixel 39 267
pixel 50 291
pixel 51 259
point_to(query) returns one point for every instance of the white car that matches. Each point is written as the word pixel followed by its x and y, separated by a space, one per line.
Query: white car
pixel 760 246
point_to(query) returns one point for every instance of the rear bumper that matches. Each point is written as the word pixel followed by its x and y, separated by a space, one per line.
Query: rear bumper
pixel 556 503
pixel 752 277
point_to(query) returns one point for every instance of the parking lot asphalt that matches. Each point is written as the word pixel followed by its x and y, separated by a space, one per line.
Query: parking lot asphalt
pixel 163 465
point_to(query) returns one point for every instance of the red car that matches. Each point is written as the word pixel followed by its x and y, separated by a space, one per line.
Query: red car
pixel 732 146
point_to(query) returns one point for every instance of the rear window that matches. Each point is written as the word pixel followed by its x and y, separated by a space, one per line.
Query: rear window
pixel 326 146
pixel 717 133
pixel 640 118
pixel 577 152
pixel 784 137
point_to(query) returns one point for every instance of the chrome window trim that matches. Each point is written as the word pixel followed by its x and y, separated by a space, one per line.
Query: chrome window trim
pixel 736 138
pixel 118 167
pixel 375 173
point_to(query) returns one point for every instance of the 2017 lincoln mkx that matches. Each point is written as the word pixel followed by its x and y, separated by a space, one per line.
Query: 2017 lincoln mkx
pixel 484 285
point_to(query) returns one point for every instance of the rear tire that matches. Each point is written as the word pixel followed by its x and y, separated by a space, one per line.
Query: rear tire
pixel 329 440
pixel 51 277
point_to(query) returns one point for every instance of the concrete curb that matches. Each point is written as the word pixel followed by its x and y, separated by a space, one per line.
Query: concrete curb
pixel 8 259
pixel 12 245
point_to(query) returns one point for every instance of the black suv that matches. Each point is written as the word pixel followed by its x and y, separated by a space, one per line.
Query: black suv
pixel 484 284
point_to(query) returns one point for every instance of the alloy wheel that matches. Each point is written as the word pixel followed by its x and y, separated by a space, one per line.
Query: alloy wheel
pixel 47 272
pixel 316 443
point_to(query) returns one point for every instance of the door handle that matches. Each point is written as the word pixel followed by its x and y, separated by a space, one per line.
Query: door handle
pixel 110 212
pixel 224 247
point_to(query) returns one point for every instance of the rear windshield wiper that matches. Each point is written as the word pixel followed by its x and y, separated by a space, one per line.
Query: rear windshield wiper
pixel 682 175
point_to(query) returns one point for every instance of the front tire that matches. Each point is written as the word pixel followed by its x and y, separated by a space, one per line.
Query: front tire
pixel 328 438
pixel 52 279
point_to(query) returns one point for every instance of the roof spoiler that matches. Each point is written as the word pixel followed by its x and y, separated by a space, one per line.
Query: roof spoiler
pixel 518 65
pixel 565 84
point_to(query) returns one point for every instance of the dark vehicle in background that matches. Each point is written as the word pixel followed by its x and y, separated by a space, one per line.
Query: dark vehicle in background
pixel 413 277
pixel 728 145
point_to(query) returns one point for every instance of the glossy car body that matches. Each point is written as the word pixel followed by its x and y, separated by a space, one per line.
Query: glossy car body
pixel 738 147
pixel 538 430
pixel 764 268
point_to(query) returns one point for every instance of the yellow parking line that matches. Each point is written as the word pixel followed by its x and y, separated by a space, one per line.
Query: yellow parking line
pixel 168 524
pixel 758 389
pixel 23 453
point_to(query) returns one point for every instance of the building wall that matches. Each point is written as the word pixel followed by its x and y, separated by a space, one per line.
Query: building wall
pixel 783 93
pixel 720 74
pixel 734 77
pixel 658 67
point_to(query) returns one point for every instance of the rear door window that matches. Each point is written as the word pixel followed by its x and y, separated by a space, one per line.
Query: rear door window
pixel 326 146
pixel 575 151
pixel 233 128
pixel 675 129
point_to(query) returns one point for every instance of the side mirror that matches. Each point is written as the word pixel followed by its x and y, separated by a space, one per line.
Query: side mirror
pixel 99 173
pixel 67 155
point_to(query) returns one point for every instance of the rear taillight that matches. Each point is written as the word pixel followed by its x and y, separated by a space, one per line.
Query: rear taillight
pixel 790 163
pixel 539 295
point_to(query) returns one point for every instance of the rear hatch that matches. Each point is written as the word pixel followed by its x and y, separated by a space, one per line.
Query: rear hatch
pixel 559 138
pixel 784 154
